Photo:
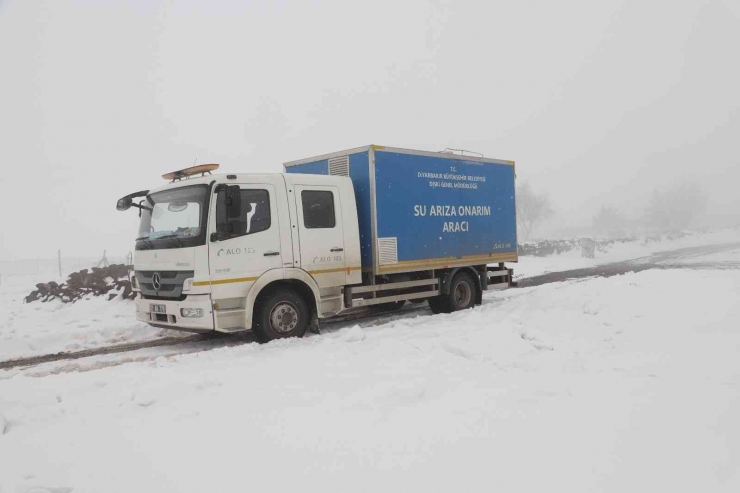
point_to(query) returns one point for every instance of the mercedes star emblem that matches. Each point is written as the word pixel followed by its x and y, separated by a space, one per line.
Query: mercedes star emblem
pixel 156 281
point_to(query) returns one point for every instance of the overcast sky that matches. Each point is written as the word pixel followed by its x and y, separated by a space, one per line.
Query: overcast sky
pixel 597 102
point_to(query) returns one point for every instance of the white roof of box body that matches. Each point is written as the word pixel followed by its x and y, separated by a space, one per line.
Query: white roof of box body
pixel 399 150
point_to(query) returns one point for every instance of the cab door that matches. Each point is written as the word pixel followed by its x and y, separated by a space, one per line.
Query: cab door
pixel 320 234
pixel 249 246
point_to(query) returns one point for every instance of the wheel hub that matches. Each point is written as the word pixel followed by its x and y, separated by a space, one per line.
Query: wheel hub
pixel 463 294
pixel 284 317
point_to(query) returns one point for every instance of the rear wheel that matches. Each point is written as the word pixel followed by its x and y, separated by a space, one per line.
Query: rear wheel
pixel 463 290
pixel 438 304
pixel 280 314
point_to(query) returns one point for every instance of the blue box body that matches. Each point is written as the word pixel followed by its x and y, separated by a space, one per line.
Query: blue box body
pixel 442 210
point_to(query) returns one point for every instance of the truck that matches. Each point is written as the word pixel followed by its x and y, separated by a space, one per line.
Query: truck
pixel 360 229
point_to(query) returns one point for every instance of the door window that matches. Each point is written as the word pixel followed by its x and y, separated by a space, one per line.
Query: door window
pixel 254 217
pixel 318 209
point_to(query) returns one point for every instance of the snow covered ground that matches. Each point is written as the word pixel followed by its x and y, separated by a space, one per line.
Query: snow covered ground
pixel 29 329
pixel 42 328
pixel 627 383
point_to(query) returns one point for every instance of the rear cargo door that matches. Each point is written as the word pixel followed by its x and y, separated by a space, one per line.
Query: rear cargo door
pixel 321 234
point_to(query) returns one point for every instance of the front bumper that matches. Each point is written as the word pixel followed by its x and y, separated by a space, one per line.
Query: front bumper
pixel 172 318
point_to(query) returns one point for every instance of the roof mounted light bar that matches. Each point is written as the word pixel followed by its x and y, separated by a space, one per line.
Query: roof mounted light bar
pixel 201 169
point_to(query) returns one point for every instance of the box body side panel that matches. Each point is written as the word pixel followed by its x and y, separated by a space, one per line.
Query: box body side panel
pixel 313 168
pixel 440 209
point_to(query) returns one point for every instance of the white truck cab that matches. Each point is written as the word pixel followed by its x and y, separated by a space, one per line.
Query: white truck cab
pixel 209 246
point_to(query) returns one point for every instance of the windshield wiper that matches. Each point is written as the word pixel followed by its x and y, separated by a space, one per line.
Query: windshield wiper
pixel 148 241
pixel 171 237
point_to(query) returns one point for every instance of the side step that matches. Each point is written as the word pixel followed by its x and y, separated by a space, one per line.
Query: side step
pixel 351 302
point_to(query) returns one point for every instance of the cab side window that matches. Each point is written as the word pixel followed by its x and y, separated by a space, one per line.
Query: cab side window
pixel 318 209
pixel 254 216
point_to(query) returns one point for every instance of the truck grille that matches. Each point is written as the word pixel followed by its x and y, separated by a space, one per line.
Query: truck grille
pixel 165 274
pixel 166 284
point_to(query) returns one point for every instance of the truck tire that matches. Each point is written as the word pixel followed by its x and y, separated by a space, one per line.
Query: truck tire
pixel 438 304
pixel 463 291
pixel 280 314
pixel 462 295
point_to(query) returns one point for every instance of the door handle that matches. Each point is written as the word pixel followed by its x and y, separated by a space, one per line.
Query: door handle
pixel 271 254
pixel 337 250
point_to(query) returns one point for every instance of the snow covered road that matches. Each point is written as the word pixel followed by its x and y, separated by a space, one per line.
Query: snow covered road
pixel 627 383
pixel 721 256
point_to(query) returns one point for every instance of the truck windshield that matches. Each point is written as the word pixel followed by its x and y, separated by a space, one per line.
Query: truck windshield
pixel 176 219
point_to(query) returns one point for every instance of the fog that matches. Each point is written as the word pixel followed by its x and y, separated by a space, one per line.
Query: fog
pixel 599 103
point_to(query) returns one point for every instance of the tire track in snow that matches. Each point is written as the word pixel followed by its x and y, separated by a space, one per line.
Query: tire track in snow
pixel 206 341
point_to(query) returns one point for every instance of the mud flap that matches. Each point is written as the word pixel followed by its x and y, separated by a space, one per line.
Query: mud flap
pixel 313 325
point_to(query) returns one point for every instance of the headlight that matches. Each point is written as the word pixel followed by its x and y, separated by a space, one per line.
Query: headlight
pixel 191 312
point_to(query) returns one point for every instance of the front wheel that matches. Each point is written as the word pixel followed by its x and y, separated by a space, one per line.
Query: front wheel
pixel 280 314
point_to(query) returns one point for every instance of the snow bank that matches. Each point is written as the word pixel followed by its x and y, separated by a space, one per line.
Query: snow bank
pixel 629 383
pixel 529 266
pixel 28 329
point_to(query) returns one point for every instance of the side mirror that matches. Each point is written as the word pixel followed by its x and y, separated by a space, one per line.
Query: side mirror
pixel 224 231
pixel 124 204
pixel 237 228
pixel 233 202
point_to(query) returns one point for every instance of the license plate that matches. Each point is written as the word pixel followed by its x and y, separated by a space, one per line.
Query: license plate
pixel 158 308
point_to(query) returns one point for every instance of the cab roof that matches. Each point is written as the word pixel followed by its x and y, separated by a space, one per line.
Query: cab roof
pixel 237 178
